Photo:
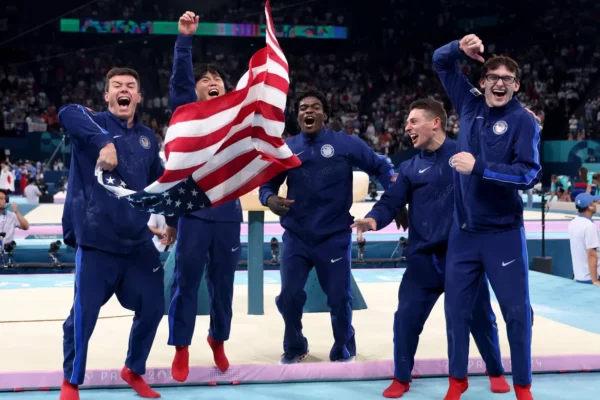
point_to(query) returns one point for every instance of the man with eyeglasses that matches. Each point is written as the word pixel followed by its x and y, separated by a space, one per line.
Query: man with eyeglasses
pixel 497 155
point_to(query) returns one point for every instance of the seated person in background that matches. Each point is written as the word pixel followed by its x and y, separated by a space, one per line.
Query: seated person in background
pixel 10 220
pixel 582 185
pixel 560 188
pixel 32 192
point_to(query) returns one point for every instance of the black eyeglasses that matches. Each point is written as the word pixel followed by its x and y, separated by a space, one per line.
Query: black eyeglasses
pixel 507 79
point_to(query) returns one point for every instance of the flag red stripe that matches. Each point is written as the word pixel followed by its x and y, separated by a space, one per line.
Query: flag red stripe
pixel 172 175
pixel 268 173
pixel 277 82
pixel 225 172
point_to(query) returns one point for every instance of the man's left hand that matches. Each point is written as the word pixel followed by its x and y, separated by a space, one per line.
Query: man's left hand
pixel 15 208
pixel 463 163
pixel 597 283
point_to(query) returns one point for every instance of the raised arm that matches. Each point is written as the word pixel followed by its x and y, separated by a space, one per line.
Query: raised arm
pixel 182 86
pixel 445 62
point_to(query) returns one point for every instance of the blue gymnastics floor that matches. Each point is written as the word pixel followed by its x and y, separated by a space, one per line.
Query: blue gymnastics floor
pixel 545 387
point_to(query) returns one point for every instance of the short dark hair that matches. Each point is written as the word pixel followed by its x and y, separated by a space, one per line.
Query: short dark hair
pixel 434 107
pixel 203 69
pixel 316 94
pixel 498 61
pixel 5 195
pixel 581 209
pixel 122 71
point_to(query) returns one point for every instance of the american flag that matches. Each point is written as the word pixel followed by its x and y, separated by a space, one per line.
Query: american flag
pixel 221 149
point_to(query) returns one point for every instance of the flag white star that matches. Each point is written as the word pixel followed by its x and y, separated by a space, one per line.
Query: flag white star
pixel 151 211
pixel 123 184
pixel 181 190
pixel 202 205
pixel 110 180
pixel 169 201
pixel 190 205
pixel 194 192
pixel 177 203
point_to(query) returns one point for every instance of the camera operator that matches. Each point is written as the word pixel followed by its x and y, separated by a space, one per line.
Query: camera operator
pixel 32 193
pixel 9 220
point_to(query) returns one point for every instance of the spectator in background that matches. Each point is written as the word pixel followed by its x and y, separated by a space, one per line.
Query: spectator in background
pixel 158 225
pixel 10 220
pixel 7 178
pixel 32 192
pixel 584 240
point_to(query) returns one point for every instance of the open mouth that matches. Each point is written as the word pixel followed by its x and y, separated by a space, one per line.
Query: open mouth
pixel 213 92
pixel 309 121
pixel 499 94
pixel 414 137
pixel 123 102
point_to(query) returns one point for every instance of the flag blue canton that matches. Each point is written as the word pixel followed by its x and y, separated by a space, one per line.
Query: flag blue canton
pixel 184 198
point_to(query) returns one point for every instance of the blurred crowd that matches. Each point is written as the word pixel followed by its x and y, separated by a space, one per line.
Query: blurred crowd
pixel 369 86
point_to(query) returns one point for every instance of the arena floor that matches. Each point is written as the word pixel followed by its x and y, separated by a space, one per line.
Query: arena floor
pixel 566 337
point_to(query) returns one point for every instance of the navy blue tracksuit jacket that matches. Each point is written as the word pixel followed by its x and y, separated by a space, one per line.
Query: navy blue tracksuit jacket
pixel 425 183
pixel 115 253
pixel 488 235
pixel 208 239
pixel 317 232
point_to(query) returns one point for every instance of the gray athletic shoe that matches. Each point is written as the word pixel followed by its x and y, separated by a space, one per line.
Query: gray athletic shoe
pixel 294 360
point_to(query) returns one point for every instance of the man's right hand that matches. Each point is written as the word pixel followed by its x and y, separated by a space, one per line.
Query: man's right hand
pixel 596 283
pixel 108 158
pixel 188 23
pixel 279 205
pixel 363 225
pixel 472 46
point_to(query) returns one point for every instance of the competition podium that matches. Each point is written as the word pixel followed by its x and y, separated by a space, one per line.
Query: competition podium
pixel 316 298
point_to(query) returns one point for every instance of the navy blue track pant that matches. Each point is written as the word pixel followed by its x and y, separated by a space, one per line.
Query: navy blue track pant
pixel 137 280
pixel 332 260
pixel 421 286
pixel 214 246
pixel 503 258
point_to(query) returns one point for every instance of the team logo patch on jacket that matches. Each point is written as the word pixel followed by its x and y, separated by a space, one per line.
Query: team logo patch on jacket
pixel 145 142
pixel 327 150
pixel 500 127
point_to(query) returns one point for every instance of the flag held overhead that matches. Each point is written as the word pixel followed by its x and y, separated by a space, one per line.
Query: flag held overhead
pixel 220 149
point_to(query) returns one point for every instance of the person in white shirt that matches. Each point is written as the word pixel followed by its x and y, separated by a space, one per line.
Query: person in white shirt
pixel 158 225
pixel 584 239
pixel 32 192
pixel 10 220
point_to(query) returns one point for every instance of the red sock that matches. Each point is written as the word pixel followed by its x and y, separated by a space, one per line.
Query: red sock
pixel 498 384
pixel 523 392
pixel 138 384
pixel 457 388
pixel 69 391
pixel 218 349
pixel 396 389
pixel 180 368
